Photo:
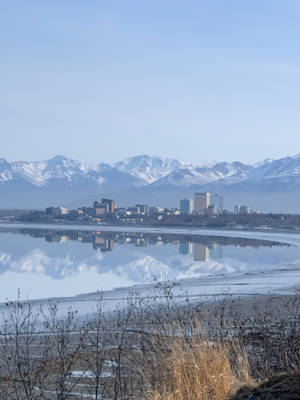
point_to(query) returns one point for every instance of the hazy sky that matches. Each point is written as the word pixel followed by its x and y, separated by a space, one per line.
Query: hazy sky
pixel 102 80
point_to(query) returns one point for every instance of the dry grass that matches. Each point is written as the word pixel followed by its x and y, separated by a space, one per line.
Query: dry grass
pixel 193 368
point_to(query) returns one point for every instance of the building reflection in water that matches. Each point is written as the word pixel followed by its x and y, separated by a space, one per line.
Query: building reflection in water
pixel 103 243
pixel 209 249
pixel 56 238
pixel 200 251
pixel 185 248
pixel 216 251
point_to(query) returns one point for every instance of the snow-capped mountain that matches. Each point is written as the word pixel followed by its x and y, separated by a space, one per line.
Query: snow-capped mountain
pixel 192 174
pixel 134 172
pixel 282 168
pixel 144 178
pixel 148 168
pixel 285 170
pixel 40 172
pixel 64 171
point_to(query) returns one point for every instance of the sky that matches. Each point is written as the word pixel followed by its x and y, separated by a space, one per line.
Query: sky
pixel 103 80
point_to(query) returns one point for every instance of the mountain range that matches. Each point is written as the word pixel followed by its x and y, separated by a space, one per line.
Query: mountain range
pixel 270 185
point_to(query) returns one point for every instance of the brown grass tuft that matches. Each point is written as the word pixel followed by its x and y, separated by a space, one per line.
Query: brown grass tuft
pixel 193 368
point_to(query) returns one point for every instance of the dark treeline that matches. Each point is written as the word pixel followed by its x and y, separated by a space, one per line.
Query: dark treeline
pixel 222 220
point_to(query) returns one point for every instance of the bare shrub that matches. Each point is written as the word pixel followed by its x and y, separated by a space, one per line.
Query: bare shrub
pixel 65 336
pixel 23 352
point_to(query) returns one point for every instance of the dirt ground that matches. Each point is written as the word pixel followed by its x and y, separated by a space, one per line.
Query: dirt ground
pixel 284 387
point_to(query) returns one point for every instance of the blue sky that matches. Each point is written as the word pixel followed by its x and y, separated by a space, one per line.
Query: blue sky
pixel 102 80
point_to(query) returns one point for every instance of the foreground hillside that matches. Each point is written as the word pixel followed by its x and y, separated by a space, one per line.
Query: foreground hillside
pixel 280 387
pixel 153 349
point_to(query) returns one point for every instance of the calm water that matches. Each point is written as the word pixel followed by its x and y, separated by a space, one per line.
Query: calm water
pixel 45 263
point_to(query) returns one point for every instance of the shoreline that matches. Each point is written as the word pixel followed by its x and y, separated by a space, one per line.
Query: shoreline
pixel 282 236
pixel 206 288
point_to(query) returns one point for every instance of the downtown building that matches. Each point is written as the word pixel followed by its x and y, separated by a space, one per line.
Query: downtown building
pixel 186 206
pixel 218 201
pixel 201 202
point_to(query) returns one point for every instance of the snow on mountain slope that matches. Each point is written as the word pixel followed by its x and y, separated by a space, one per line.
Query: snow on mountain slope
pixel 6 173
pixel 59 167
pixel 148 168
pixel 197 175
pixel 283 167
pixel 271 172
pixel 64 172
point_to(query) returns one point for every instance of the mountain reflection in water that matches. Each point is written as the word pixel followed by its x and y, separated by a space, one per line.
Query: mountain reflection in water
pixel 62 262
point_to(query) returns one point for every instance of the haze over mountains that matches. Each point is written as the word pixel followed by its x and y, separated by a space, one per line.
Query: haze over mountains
pixel 271 185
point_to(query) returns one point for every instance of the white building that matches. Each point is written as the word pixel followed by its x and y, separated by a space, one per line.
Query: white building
pixel 202 201
pixel 237 209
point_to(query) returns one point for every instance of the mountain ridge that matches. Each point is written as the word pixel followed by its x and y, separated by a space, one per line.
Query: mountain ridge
pixel 146 178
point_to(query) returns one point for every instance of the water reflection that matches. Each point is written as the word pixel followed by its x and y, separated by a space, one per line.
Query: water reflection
pixel 62 262
pixel 105 241
pixel 201 251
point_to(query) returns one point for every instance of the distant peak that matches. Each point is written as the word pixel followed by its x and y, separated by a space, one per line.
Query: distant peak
pixel 58 158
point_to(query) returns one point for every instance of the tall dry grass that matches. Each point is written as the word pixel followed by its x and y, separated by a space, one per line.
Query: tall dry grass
pixel 194 368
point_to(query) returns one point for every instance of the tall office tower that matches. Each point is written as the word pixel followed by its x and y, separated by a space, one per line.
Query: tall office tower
pixel 110 205
pixel 186 206
pixel 142 209
pixel 237 209
pixel 218 201
pixel 202 201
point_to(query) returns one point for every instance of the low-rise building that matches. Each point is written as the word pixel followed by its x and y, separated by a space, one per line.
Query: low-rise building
pixel 56 211
pixel 244 209
pixel 211 210
pixel 100 210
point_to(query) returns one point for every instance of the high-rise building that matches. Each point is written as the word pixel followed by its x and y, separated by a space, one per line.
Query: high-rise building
pixel 142 209
pixel 237 209
pixel 107 204
pixel 186 206
pixel 202 201
pixel 218 201
pixel 110 205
